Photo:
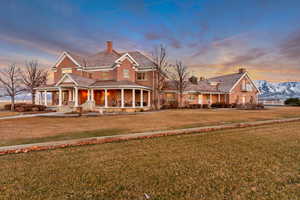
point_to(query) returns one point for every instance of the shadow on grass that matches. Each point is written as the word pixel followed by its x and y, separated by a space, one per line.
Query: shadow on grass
pixel 65 136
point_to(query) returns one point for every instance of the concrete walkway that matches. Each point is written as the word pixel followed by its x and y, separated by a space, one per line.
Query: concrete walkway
pixel 31 115
pixel 105 139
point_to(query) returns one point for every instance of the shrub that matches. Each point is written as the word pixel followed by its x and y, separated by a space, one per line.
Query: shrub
pixel 250 106
pixel 23 107
pixel 292 102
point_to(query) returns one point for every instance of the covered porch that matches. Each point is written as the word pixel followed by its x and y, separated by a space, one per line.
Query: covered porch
pixel 93 99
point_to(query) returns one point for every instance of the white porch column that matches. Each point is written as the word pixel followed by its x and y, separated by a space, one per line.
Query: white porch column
pixel 105 98
pixel 149 99
pixel 142 99
pixel 219 98
pixel 76 97
pixel 210 99
pixel 122 98
pixel 60 97
pixel 70 94
pixel 88 95
pixel 92 95
pixel 37 99
pixel 40 98
pixel 133 98
pixel 45 98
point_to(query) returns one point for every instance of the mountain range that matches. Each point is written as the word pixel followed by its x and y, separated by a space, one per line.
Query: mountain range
pixel 278 90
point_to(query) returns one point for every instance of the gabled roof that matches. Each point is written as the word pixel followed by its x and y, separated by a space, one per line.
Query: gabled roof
pixel 106 60
pixel 77 80
pixel 201 86
pixel 226 82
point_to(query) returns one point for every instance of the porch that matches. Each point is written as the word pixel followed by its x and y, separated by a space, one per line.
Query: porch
pixel 95 99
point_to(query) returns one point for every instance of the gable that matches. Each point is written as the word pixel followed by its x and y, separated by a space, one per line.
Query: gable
pixel 66 60
pixel 248 80
pixel 126 56
pixel 66 79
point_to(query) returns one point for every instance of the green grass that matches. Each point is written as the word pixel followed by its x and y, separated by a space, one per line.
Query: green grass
pixel 251 163
pixel 65 136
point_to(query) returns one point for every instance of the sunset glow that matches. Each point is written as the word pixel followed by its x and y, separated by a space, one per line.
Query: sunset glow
pixel 212 37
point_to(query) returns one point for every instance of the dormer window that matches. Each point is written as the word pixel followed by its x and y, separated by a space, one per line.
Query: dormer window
pixel 141 76
pixel 125 73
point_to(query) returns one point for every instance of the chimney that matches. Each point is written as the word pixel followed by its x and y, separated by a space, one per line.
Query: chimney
pixel 109 47
pixel 242 70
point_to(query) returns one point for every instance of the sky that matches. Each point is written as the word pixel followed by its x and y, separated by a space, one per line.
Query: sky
pixel 211 37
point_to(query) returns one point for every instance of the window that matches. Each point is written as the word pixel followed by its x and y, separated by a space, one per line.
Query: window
pixel 141 76
pixel 244 85
pixel 249 87
pixel 170 96
pixel 191 97
pixel 66 70
pixel 125 73
pixel 104 75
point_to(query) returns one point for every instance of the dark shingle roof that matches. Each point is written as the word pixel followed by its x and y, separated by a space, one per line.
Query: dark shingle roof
pixel 201 86
pixel 142 60
pixel 82 81
pixel 226 81
pixel 104 59
pixel 102 83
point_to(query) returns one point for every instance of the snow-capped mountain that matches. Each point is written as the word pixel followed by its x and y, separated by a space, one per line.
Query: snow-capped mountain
pixel 281 90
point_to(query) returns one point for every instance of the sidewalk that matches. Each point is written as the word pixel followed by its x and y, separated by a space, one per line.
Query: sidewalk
pixel 105 139
pixel 31 115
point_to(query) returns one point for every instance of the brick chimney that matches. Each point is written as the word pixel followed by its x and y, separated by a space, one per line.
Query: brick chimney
pixel 242 70
pixel 109 47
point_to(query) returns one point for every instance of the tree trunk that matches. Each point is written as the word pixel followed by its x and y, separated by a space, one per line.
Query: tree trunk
pixel 12 106
pixel 33 97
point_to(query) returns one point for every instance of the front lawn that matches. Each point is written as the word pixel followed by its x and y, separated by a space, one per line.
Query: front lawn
pixel 251 163
pixel 26 130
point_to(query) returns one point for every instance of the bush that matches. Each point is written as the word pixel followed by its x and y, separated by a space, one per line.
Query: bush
pixel 292 102
pixel 23 107
pixel 250 106
pixel 170 105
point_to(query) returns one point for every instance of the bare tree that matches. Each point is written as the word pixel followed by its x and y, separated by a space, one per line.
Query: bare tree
pixel 33 76
pixel 11 82
pixel 160 60
pixel 179 75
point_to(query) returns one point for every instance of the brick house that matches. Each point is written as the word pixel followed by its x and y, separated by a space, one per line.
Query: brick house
pixel 236 88
pixel 114 81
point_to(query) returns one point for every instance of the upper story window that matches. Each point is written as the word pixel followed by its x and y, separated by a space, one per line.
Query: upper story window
pixel 243 85
pixel 141 76
pixel 125 73
pixel 66 70
pixel 249 87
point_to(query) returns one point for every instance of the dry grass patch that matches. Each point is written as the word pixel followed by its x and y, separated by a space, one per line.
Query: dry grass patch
pixel 251 163
pixel 32 128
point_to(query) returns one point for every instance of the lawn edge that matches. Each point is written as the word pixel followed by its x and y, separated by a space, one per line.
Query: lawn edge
pixel 15 149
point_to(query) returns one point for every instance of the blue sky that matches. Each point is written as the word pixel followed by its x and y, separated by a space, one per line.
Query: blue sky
pixel 212 37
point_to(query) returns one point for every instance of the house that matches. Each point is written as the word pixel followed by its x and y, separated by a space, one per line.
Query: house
pixel 106 80
pixel 114 81
pixel 236 88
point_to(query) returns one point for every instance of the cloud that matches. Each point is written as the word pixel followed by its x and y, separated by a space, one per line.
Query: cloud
pixel 249 56
pixel 165 36
pixel 290 47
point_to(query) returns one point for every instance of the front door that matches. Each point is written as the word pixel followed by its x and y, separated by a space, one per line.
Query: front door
pixel 200 99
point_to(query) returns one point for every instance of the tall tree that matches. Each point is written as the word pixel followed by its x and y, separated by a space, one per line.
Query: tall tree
pixel 33 76
pixel 179 74
pixel 11 83
pixel 160 60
